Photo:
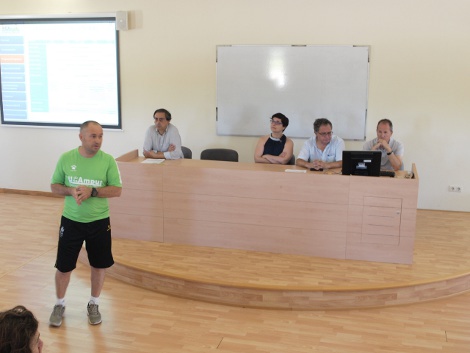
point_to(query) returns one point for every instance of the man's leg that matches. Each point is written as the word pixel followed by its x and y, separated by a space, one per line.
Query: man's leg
pixel 62 280
pixel 97 282
pixel 100 257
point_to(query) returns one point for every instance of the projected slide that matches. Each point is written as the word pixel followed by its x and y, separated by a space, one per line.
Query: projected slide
pixel 59 72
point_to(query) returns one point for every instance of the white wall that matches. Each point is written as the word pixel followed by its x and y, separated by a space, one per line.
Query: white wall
pixel 419 78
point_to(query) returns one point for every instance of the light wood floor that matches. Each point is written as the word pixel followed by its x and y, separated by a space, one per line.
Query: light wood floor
pixel 139 320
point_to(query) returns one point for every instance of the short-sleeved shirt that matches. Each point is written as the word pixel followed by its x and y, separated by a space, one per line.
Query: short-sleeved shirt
pixel 274 146
pixel 396 146
pixel 98 171
pixel 160 143
pixel 333 152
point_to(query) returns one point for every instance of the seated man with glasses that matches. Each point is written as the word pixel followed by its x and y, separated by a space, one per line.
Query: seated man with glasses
pixel 322 151
pixel 392 150
pixel 162 140
pixel 275 148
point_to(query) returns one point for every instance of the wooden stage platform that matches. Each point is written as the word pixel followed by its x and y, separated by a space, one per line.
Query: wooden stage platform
pixel 441 268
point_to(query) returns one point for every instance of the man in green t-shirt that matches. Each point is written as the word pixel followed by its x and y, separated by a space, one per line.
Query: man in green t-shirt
pixel 87 177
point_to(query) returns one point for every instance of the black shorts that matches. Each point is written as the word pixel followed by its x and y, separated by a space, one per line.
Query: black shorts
pixel 97 237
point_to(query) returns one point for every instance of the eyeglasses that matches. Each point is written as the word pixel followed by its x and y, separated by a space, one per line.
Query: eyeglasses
pixel 329 133
pixel 275 122
pixel 159 119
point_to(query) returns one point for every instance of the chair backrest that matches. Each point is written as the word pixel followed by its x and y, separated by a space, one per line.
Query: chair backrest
pixel 187 153
pixel 291 161
pixel 220 154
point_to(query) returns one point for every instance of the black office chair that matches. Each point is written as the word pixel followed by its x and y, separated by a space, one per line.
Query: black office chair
pixel 291 161
pixel 187 153
pixel 220 154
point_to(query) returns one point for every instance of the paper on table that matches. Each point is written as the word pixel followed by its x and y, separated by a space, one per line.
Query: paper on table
pixel 154 161
pixel 296 170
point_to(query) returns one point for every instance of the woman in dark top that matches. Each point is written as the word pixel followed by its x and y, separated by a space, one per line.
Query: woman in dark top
pixel 275 148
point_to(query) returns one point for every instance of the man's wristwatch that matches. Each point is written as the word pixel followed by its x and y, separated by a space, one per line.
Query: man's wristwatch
pixel 389 153
pixel 94 192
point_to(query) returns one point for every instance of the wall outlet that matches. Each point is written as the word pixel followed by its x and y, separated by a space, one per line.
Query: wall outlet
pixel 455 188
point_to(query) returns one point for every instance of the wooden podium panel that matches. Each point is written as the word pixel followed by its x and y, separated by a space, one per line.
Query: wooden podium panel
pixel 264 208
pixel 255 183
pixel 138 213
pixel 382 219
pixel 239 210
pixel 257 238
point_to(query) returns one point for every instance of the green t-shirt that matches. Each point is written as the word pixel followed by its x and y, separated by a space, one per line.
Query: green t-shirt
pixel 99 171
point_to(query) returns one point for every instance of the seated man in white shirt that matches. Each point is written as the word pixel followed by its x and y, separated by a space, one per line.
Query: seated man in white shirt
pixel 162 139
pixel 392 150
pixel 324 150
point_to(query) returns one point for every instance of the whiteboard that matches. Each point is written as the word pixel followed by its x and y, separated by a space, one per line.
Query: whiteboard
pixel 302 82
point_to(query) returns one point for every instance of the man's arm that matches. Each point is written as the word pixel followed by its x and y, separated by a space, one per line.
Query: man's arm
pixel 150 143
pixel 152 154
pixel 304 157
pixel 328 165
pixel 300 162
pixel 339 148
pixel 108 191
pixel 82 193
pixel 318 164
pixel 174 150
pixel 395 160
pixel 62 190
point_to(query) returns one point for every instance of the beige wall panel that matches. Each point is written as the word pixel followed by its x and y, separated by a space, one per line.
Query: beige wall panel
pixel 254 182
pixel 382 216
pixel 137 227
pixel 291 214
pixel 254 237
pixel 383 201
pixel 401 253
pixel 138 202
pixel 408 223
pixel 370 229
pixel 354 238
pixel 405 189
pixel 355 218
pixel 129 156
pixel 141 176
pixel 377 238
